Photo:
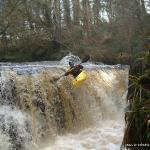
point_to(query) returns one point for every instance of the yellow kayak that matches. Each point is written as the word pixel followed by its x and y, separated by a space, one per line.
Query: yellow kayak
pixel 79 79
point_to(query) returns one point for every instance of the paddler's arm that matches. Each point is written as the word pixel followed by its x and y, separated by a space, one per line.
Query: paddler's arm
pixel 80 66
pixel 68 72
pixel 71 69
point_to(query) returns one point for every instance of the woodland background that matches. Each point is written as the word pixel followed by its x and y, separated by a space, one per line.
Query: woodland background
pixel 111 31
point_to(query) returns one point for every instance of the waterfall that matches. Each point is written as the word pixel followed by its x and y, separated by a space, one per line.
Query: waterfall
pixel 38 112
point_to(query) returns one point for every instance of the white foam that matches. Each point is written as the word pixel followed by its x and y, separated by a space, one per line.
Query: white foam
pixel 104 136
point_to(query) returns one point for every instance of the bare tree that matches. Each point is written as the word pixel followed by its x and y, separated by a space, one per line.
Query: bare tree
pixel 86 17
pixel 76 11
pixel 67 17
pixel 57 19
pixel 96 11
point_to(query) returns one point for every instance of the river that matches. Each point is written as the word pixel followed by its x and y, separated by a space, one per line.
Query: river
pixel 38 112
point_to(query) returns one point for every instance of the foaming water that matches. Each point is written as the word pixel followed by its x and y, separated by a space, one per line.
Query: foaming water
pixel 49 114
pixel 14 129
pixel 106 102
pixel 106 135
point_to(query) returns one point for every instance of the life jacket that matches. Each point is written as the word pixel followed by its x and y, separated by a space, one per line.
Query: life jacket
pixel 75 70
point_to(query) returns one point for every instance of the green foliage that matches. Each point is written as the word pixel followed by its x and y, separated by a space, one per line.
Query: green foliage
pixel 147 59
pixel 145 79
pixel 138 116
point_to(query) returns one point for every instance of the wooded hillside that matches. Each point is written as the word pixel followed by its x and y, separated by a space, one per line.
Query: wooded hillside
pixel 112 31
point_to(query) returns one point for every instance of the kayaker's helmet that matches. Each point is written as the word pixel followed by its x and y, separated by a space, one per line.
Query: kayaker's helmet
pixel 71 64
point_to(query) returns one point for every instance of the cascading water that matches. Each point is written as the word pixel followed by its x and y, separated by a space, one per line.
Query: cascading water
pixel 38 112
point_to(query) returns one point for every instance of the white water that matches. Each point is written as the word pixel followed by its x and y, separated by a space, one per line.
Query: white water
pixel 106 135
pixel 98 107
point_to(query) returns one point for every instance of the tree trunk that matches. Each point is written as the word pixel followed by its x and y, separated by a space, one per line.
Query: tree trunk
pixel 76 11
pixel 143 7
pixel 86 17
pixel 57 20
pixel 67 17
pixel 96 11
pixel 28 11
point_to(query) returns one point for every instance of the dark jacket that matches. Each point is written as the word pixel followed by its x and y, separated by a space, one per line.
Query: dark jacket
pixel 75 70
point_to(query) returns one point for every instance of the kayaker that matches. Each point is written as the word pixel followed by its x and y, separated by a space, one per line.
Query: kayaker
pixel 74 70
